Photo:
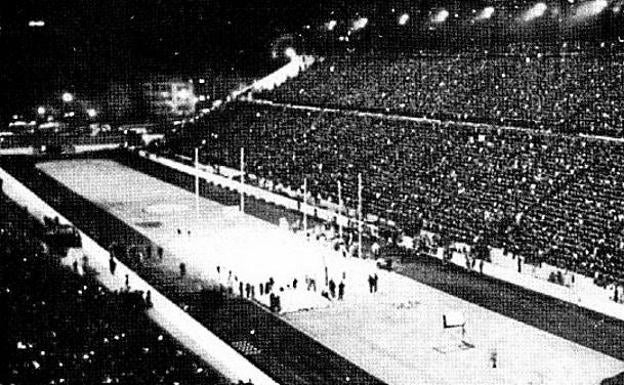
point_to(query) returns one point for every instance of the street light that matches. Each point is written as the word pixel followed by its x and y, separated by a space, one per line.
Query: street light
pixel 68 97
pixel 92 113
pixel 41 110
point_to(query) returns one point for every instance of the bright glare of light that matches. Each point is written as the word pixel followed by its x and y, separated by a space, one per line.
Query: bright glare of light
pixel 184 93
pixel 202 81
pixel 535 11
pixel 68 97
pixel 330 25
pixel 403 19
pixel 441 16
pixel 359 23
pixel 290 53
pixel 92 113
pixel 486 13
pixel 590 9
pixel 41 110
pixel 36 23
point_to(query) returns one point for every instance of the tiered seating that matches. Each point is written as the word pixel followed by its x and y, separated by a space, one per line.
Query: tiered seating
pixel 562 88
pixel 64 328
pixel 582 224
pixel 513 187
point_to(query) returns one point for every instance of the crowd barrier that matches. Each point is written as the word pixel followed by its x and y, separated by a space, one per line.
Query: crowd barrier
pixel 581 292
pixel 165 313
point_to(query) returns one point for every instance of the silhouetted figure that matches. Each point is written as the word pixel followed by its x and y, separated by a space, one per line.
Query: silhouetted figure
pixel 341 288
pixel 375 281
pixel 112 265
pixel 332 288
pixel 247 290
pixel 182 269
pixel 278 303
pixel 295 283
pixel 272 302
pixel 370 283
pixel 240 288
pixel 271 283
pixel 127 282
pixel 148 299
pixel 75 266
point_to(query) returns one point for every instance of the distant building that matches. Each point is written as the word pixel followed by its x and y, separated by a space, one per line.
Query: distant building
pixel 169 98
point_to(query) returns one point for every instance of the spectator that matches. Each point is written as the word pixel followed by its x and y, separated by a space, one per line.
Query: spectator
pixel 112 265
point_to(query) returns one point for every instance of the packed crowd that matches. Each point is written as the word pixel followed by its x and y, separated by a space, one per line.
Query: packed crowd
pixel 548 197
pixel 567 90
pixel 62 327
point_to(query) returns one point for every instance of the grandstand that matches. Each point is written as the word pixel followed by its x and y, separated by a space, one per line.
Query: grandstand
pixel 439 177
pixel 520 85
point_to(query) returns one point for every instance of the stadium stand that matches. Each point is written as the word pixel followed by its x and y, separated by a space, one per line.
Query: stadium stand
pixel 65 328
pixel 549 197
pixel 572 88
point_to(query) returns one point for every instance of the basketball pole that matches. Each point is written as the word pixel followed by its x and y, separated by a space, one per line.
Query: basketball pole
pixel 196 183
pixel 242 179
pixel 340 209
pixel 305 205
pixel 359 215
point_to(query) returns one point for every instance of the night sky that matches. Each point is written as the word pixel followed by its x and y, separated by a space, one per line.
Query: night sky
pixel 86 44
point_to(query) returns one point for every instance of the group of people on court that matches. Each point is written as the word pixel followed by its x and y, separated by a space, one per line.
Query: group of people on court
pixel 146 297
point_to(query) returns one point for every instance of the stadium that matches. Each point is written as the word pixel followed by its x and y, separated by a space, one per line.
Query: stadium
pixel 343 193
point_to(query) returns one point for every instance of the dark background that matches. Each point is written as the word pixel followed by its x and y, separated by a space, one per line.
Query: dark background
pixel 87 44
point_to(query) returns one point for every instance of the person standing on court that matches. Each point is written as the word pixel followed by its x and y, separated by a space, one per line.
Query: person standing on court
pixel 341 288
pixel 332 288
pixel 112 265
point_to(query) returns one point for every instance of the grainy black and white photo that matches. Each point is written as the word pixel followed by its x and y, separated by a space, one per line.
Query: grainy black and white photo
pixel 312 192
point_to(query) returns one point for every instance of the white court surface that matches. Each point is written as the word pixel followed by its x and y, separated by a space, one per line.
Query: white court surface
pixel 395 334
